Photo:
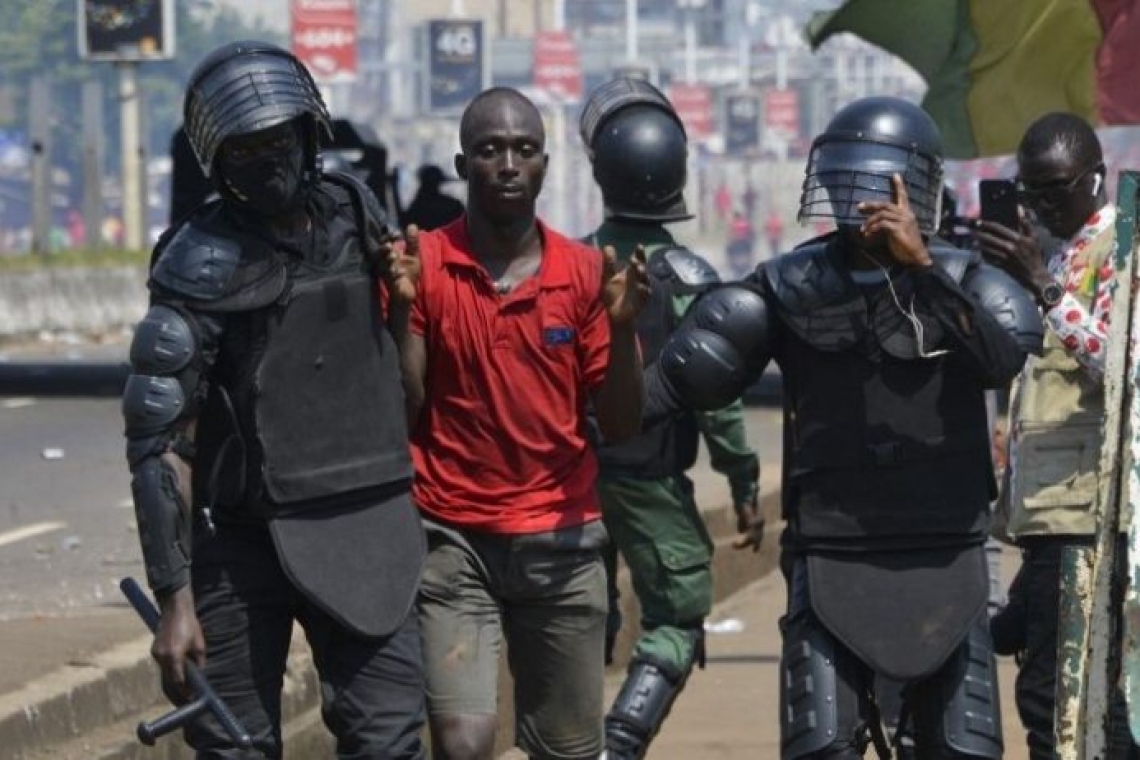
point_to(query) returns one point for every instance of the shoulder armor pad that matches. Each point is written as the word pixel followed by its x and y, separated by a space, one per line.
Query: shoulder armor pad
pixel 680 264
pixel 738 314
pixel 197 263
pixel 218 272
pixel 806 278
pixel 1010 304
pixel 815 299
pixel 365 204
pixel 954 261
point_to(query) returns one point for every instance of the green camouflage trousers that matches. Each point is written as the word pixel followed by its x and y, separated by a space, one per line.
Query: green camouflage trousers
pixel 658 529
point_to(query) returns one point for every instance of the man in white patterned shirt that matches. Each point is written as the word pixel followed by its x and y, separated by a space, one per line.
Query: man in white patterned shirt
pixel 1057 407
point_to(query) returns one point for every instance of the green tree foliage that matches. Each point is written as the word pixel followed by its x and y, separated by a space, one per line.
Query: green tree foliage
pixel 39 37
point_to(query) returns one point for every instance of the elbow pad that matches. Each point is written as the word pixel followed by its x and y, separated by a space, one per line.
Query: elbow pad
pixel 703 368
pixel 1009 303
pixel 739 315
pixel 164 525
pixel 164 380
pixel 721 347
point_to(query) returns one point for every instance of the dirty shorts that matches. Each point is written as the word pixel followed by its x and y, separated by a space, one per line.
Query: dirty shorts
pixel 545 594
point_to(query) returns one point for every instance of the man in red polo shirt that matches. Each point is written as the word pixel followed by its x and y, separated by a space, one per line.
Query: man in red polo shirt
pixel 516 329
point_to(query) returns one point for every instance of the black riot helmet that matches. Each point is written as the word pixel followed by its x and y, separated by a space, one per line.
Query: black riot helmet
pixel 853 159
pixel 249 86
pixel 638 149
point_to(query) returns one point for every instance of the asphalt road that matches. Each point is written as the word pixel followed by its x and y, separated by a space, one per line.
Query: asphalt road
pixel 67 525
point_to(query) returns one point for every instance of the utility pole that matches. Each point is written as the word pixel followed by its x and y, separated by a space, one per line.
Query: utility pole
pixel 39 129
pixel 132 155
pixel 92 162
pixel 631 30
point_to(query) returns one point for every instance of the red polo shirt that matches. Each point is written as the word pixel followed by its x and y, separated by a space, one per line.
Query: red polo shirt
pixel 500 445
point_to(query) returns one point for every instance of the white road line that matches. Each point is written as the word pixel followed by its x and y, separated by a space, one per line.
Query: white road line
pixel 19 534
pixel 18 403
pixel 126 504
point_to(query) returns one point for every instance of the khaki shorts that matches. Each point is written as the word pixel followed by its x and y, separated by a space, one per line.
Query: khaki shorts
pixel 546 595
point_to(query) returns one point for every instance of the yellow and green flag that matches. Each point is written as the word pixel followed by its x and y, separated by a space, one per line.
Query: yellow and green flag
pixel 993 66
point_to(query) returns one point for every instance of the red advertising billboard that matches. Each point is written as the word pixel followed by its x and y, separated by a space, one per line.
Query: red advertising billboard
pixel 694 104
pixel 324 38
pixel 557 67
pixel 782 112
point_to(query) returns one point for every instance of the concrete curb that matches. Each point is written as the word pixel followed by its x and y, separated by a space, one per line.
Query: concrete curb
pixel 90 711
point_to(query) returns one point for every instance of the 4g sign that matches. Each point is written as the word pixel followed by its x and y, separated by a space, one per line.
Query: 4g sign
pixel 456 64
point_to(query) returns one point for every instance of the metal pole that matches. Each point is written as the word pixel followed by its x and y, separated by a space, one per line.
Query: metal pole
pixel 39 127
pixel 558 147
pixel 130 109
pixel 631 30
pixel 744 60
pixel 93 163
pixel 690 46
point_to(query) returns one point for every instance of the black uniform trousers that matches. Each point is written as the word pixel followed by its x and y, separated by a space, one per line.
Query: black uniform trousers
pixel 1029 625
pixel 371 689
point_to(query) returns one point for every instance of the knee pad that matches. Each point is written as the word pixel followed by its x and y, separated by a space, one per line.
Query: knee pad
pixel 809 713
pixel 646 696
pixel 971 713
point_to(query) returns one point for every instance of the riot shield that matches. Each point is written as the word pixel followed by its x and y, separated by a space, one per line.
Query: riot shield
pixel 1091 664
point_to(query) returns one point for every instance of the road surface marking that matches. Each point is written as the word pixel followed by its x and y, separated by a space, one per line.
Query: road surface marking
pixel 19 534
pixel 126 504
pixel 18 403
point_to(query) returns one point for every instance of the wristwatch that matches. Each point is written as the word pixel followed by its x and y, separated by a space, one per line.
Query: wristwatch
pixel 1051 295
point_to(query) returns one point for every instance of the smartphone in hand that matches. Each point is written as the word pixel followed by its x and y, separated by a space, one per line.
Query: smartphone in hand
pixel 998 199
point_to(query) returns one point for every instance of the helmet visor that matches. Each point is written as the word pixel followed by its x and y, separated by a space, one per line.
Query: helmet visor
pixel 841 174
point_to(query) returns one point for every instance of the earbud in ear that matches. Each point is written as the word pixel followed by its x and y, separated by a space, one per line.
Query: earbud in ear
pixel 1096 183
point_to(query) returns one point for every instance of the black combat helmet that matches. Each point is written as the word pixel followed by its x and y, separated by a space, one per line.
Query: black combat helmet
pixel 245 87
pixel 638 149
pixel 853 159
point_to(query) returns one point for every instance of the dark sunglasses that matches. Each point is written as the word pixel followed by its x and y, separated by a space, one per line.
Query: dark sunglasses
pixel 1051 194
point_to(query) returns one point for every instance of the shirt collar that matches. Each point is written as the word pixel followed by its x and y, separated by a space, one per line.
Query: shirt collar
pixel 553 272
pixel 1102 219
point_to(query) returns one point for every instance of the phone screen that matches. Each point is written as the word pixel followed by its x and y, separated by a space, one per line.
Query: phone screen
pixel 998 199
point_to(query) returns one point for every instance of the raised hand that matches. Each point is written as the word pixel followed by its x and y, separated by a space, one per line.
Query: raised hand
pixel 1015 251
pixel 398 263
pixel 898 222
pixel 624 292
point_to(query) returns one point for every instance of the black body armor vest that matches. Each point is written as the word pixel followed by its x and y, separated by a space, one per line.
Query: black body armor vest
pixel 300 341
pixel 882 447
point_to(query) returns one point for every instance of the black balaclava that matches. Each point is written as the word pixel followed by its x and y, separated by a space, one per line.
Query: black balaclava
pixel 269 184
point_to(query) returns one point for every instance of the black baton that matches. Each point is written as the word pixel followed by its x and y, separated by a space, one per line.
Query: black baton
pixel 207 699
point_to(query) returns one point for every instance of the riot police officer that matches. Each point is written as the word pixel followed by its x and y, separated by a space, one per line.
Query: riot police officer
pixel 887 341
pixel 265 426
pixel 637 146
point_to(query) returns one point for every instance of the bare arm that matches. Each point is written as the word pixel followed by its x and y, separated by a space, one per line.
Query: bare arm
pixel 619 400
pixel 401 274
pixel 413 367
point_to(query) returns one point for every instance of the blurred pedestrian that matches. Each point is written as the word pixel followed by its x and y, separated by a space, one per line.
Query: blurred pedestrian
pixel 432 208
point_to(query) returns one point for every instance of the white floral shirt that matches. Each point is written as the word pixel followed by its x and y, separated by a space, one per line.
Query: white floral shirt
pixel 1084 332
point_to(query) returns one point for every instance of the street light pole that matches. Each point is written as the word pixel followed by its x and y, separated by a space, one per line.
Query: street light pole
pixel 631 30
pixel 690 8
pixel 130 134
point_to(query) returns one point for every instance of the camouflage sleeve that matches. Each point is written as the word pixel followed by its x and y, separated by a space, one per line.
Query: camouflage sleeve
pixel 729 452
